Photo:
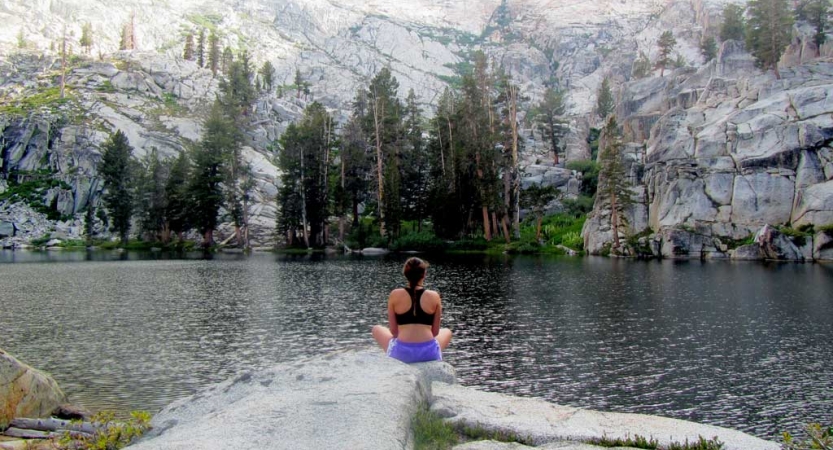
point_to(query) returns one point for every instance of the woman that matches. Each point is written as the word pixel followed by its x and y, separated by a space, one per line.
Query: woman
pixel 414 315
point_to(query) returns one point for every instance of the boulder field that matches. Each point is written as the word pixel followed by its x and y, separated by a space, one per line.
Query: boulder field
pixel 361 399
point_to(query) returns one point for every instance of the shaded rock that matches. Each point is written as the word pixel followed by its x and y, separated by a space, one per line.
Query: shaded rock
pixel 823 246
pixel 777 246
pixel 25 392
pixel 751 252
pixel 540 422
pixel 71 412
pixel 6 229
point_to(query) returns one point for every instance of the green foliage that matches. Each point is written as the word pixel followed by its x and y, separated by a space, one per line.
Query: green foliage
pixel 732 244
pixel 527 246
pixel 209 21
pixel 86 40
pixel 640 249
pixel 564 229
pixel 733 27
pixel 115 170
pixel 605 102
pixel 470 244
pixel 666 44
pixel 106 87
pixel 652 444
pixel 641 66
pixel 44 99
pixel 613 184
pixel 589 175
pixel 424 241
pixel 431 432
pixel 479 433
pixel 798 237
pixel 768 31
pixel 818 438
pixel 38 242
pixel 550 119
pixel 708 48
pixel 635 442
pixel 112 435
pixel 581 206
pixel 817 14
pixel 30 187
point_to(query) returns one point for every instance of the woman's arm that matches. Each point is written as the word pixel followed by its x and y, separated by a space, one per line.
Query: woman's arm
pixel 394 327
pixel 435 327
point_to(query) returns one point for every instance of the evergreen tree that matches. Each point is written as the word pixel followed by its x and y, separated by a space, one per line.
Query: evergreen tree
pixel 177 200
pixel 86 40
pixel 151 197
pixel 116 173
pixel 214 53
pixel 666 44
pixel 304 159
pixel 201 48
pixel 300 85
pixel 89 222
pixel 21 39
pixel 188 51
pixel 768 31
pixel 128 34
pixel 551 120
pixel 227 59
pixel 641 66
pixel 708 48
pixel 414 164
pixel 267 73
pixel 733 27
pixel 205 190
pixel 605 102
pixel 536 197
pixel 613 186
pixel 238 93
pixel 384 127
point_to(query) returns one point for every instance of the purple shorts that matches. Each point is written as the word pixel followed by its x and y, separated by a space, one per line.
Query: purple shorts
pixel 414 352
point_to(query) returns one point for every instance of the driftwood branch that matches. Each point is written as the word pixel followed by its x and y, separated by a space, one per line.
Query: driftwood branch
pixel 54 425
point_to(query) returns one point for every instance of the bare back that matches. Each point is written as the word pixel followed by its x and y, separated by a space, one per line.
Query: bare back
pixel 399 302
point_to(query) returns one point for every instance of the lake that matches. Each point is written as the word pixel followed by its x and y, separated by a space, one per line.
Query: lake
pixel 738 344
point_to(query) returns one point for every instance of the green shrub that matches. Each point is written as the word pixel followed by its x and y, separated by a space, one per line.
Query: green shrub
pixel 523 247
pixel 636 442
pixel 469 244
pixel 573 240
pixel 112 435
pixel 798 237
pixel 421 241
pixel 818 437
pixel 589 175
pixel 581 206
pixel 38 242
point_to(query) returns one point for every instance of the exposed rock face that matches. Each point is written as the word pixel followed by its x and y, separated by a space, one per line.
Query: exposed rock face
pixel 25 392
pixel 363 399
pixel 744 151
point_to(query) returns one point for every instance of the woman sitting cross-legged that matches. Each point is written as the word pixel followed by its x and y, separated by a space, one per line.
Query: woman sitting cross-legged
pixel 414 315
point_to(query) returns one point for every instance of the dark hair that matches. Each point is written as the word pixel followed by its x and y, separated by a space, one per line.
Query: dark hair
pixel 414 270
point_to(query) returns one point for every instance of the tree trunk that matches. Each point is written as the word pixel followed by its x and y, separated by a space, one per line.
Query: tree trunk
pixel 487 228
pixel 377 125
pixel 207 238
pixel 505 223
pixel 614 220
pixel 513 118
pixel 539 220
pixel 495 226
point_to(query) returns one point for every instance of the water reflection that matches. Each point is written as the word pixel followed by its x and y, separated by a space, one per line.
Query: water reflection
pixel 743 345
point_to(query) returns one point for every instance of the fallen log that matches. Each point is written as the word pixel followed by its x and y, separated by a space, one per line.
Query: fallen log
pixel 54 425
pixel 27 434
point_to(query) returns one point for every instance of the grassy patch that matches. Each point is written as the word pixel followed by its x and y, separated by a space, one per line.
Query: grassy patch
pixel 798 237
pixel 479 433
pixel 732 244
pixel 431 432
pixel 209 21
pixel 424 241
pixel 48 98
pixel 652 444
pixel 113 435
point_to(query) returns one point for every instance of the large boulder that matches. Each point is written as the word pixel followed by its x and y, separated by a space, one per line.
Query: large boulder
pixel 775 245
pixel 25 392
pixel 6 229
pixel 540 422
pixel 344 400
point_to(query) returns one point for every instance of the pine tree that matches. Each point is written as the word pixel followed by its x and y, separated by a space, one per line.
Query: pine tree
pixel 227 59
pixel 536 197
pixel 86 40
pixel 128 34
pixel 205 189
pixel 267 73
pixel 613 187
pixel 605 102
pixel 237 90
pixel 666 44
pixel 151 197
pixel 177 200
pixel 304 160
pixel 115 170
pixel 214 53
pixel 551 120
pixel 201 48
pixel 89 222
pixel 188 52
pixel 708 48
pixel 414 164
pixel 21 39
pixel 769 31
pixel 733 27
pixel 299 83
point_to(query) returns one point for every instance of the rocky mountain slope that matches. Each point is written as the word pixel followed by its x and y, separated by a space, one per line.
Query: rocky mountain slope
pixel 679 125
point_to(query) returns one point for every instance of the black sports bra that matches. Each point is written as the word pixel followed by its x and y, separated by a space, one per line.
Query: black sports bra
pixel 415 315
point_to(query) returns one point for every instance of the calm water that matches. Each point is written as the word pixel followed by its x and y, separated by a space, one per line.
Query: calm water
pixel 743 345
